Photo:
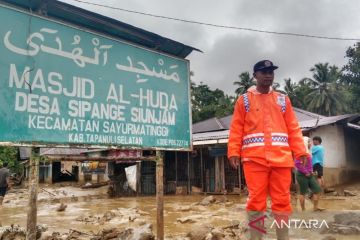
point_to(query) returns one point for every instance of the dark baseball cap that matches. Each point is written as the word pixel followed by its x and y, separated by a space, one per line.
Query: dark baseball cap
pixel 264 65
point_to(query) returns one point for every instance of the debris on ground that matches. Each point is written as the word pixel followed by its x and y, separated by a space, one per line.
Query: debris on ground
pixel 18 233
pixel 344 224
pixel 182 190
pixel 120 215
pixel 184 209
pixel 208 232
pixel 349 193
pixel 142 232
pixel 329 190
pixel 61 208
pixel 189 219
pixel 207 201
pixel 199 232
pixel 196 189
pixel 94 185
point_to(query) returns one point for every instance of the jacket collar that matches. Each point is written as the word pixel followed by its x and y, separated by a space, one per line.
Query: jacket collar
pixel 253 90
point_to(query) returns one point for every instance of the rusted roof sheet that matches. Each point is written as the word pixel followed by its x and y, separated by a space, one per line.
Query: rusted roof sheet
pixel 61 151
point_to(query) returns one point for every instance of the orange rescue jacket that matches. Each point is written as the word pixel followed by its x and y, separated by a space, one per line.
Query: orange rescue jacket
pixel 264 129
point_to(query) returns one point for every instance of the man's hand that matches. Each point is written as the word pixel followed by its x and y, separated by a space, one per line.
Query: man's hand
pixel 303 160
pixel 234 162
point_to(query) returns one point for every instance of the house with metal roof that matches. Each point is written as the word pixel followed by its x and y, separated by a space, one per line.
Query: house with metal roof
pixel 340 134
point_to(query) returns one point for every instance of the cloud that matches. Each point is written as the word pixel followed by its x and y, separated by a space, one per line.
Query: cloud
pixel 228 52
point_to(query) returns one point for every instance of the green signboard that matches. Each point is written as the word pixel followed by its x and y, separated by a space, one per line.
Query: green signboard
pixel 66 86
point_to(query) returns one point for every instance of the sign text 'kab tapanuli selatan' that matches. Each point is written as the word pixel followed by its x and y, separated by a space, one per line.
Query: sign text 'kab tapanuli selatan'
pixel 63 85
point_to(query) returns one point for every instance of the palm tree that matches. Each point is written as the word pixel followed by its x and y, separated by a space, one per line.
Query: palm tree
pixel 245 82
pixel 276 86
pixel 326 95
pixel 293 90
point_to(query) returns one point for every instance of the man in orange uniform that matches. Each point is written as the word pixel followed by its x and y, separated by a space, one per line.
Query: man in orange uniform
pixel 265 135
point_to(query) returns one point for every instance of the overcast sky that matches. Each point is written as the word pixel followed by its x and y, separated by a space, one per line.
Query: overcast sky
pixel 227 53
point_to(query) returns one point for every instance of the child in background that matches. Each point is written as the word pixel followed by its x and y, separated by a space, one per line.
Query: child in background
pixel 318 159
pixel 306 180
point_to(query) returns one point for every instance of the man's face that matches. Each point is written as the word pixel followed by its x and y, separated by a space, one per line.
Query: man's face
pixel 264 77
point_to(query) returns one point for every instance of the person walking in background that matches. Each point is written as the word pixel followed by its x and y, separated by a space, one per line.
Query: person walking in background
pixel 4 181
pixel 306 180
pixel 264 135
pixel 317 152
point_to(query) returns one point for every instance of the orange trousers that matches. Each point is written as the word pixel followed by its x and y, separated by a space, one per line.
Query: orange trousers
pixel 264 180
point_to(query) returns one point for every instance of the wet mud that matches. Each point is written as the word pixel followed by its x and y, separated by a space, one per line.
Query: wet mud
pixel 91 214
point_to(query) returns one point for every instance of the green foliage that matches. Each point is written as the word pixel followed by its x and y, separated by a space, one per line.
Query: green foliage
pixel 351 77
pixel 296 93
pixel 207 103
pixel 326 95
pixel 10 155
pixel 244 84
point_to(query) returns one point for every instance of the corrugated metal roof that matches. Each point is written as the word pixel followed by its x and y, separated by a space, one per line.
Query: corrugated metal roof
pixel 309 121
pixel 105 25
pixel 226 121
pixel 61 151
pixel 212 124
pixel 218 124
pixel 324 121
pixel 303 115
pixel 211 135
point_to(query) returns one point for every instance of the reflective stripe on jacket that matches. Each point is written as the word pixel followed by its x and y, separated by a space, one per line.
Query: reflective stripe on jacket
pixel 264 128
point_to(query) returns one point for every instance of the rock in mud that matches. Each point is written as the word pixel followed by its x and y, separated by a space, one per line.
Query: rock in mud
pixel 349 193
pixel 199 232
pixel 350 218
pixel 183 209
pixel 222 199
pixel 329 190
pixel 345 224
pixel 51 236
pixel 329 238
pixel 142 233
pixel 208 200
pixel 108 216
pixel 217 234
pixel 61 208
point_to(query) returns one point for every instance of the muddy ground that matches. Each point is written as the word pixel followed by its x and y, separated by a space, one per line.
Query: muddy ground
pixel 69 212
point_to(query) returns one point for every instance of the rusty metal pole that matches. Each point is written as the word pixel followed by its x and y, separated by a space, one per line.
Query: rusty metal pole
pixel 33 185
pixel 160 195
pixel 188 173
pixel 202 170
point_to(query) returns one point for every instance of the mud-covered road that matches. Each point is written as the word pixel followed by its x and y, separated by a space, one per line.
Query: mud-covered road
pixel 88 212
